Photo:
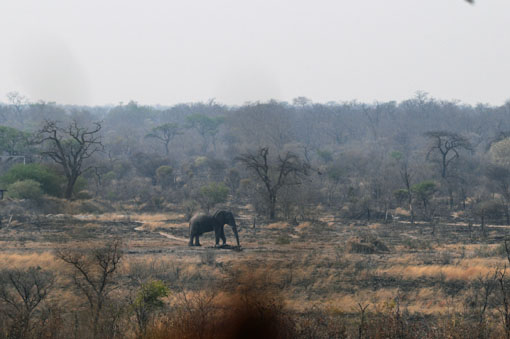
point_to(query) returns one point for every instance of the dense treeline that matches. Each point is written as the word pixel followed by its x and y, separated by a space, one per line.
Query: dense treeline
pixel 428 157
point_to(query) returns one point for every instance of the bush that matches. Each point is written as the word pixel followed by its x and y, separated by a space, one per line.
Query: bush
pixel 283 240
pixel 50 182
pixel 165 176
pixel 212 194
pixel 208 257
pixel 366 244
pixel 83 195
pixel 26 189
pixel 148 301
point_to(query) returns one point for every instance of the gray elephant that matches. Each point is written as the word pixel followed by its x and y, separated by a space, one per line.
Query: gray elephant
pixel 202 223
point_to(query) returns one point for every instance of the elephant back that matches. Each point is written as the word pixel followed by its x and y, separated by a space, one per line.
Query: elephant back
pixel 198 217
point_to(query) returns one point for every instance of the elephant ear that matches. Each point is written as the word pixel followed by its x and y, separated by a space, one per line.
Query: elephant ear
pixel 219 214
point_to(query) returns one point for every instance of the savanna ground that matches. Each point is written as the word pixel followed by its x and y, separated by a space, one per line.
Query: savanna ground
pixel 340 278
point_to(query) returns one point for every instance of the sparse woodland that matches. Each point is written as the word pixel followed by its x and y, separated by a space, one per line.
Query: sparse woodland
pixel 357 220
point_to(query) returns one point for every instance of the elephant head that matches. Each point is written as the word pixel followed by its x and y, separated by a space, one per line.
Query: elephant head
pixel 226 217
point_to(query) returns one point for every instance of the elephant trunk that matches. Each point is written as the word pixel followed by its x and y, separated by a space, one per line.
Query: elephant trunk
pixel 234 228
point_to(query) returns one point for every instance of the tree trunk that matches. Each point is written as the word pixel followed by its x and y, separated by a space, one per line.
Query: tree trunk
pixel 272 206
pixel 507 214
pixel 411 209
pixel 70 187
pixel 482 225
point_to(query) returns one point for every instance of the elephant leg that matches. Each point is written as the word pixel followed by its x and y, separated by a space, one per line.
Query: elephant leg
pixel 191 240
pixel 217 234
pixel 197 242
pixel 222 236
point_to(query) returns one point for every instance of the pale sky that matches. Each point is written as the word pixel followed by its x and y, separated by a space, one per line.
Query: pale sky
pixel 166 52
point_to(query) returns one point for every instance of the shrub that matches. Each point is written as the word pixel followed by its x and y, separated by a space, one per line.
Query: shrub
pixel 416 244
pixel 165 176
pixel 283 240
pixel 83 195
pixel 208 257
pixel 50 182
pixel 212 194
pixel 148 301
pixel 367 244
pixel 26 189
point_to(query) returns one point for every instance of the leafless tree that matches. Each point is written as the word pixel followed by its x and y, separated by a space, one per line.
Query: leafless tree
pixel 93 274
pixel 70 147
pixel 407 176
pixel 18 103
pixel 286 170
pixel 22 291
pixel 448 145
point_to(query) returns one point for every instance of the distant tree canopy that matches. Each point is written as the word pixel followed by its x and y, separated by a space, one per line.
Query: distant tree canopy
pixel 367 158
pixel 13 141
pixel 165 133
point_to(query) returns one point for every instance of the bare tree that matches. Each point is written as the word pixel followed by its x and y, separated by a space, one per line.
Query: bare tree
pixel 94 275
pixel 407 176
pixel 500 176
pixel 22 291
pixel 18 103
pixel 448 145
pixel 286 170
pixel 70 147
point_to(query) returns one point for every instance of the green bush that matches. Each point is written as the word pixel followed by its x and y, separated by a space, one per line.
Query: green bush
pixel 26 189
pixel 148 300
pixel 50 182
pixel 165 176
pixel 212 194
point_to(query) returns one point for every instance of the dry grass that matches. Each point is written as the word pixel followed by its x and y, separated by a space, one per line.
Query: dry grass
pixel 303 226
pixel 464 271
pixel 314 269
pixel 401 211
pixel 277 225
pixel 16 260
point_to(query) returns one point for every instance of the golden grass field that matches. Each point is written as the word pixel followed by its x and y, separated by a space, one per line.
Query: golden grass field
pixel 311 264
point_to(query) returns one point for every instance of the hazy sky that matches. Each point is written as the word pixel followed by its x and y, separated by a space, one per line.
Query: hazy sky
pixel 166 52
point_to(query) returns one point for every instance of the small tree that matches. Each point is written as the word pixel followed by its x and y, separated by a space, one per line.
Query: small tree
pixel 165 133
pixel 93 274
pixel 233 180
pixel 488 209
pixel 500 176
pixel 70 147
pixel 213 194
pixel 423 192
pixel 165 176
pixel 21 292
pixel 406 176
pixel 147 302
pixel 448 146
pixel 275 174
pixel 206 126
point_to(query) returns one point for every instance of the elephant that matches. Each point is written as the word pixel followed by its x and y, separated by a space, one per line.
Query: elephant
pixel 202 223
